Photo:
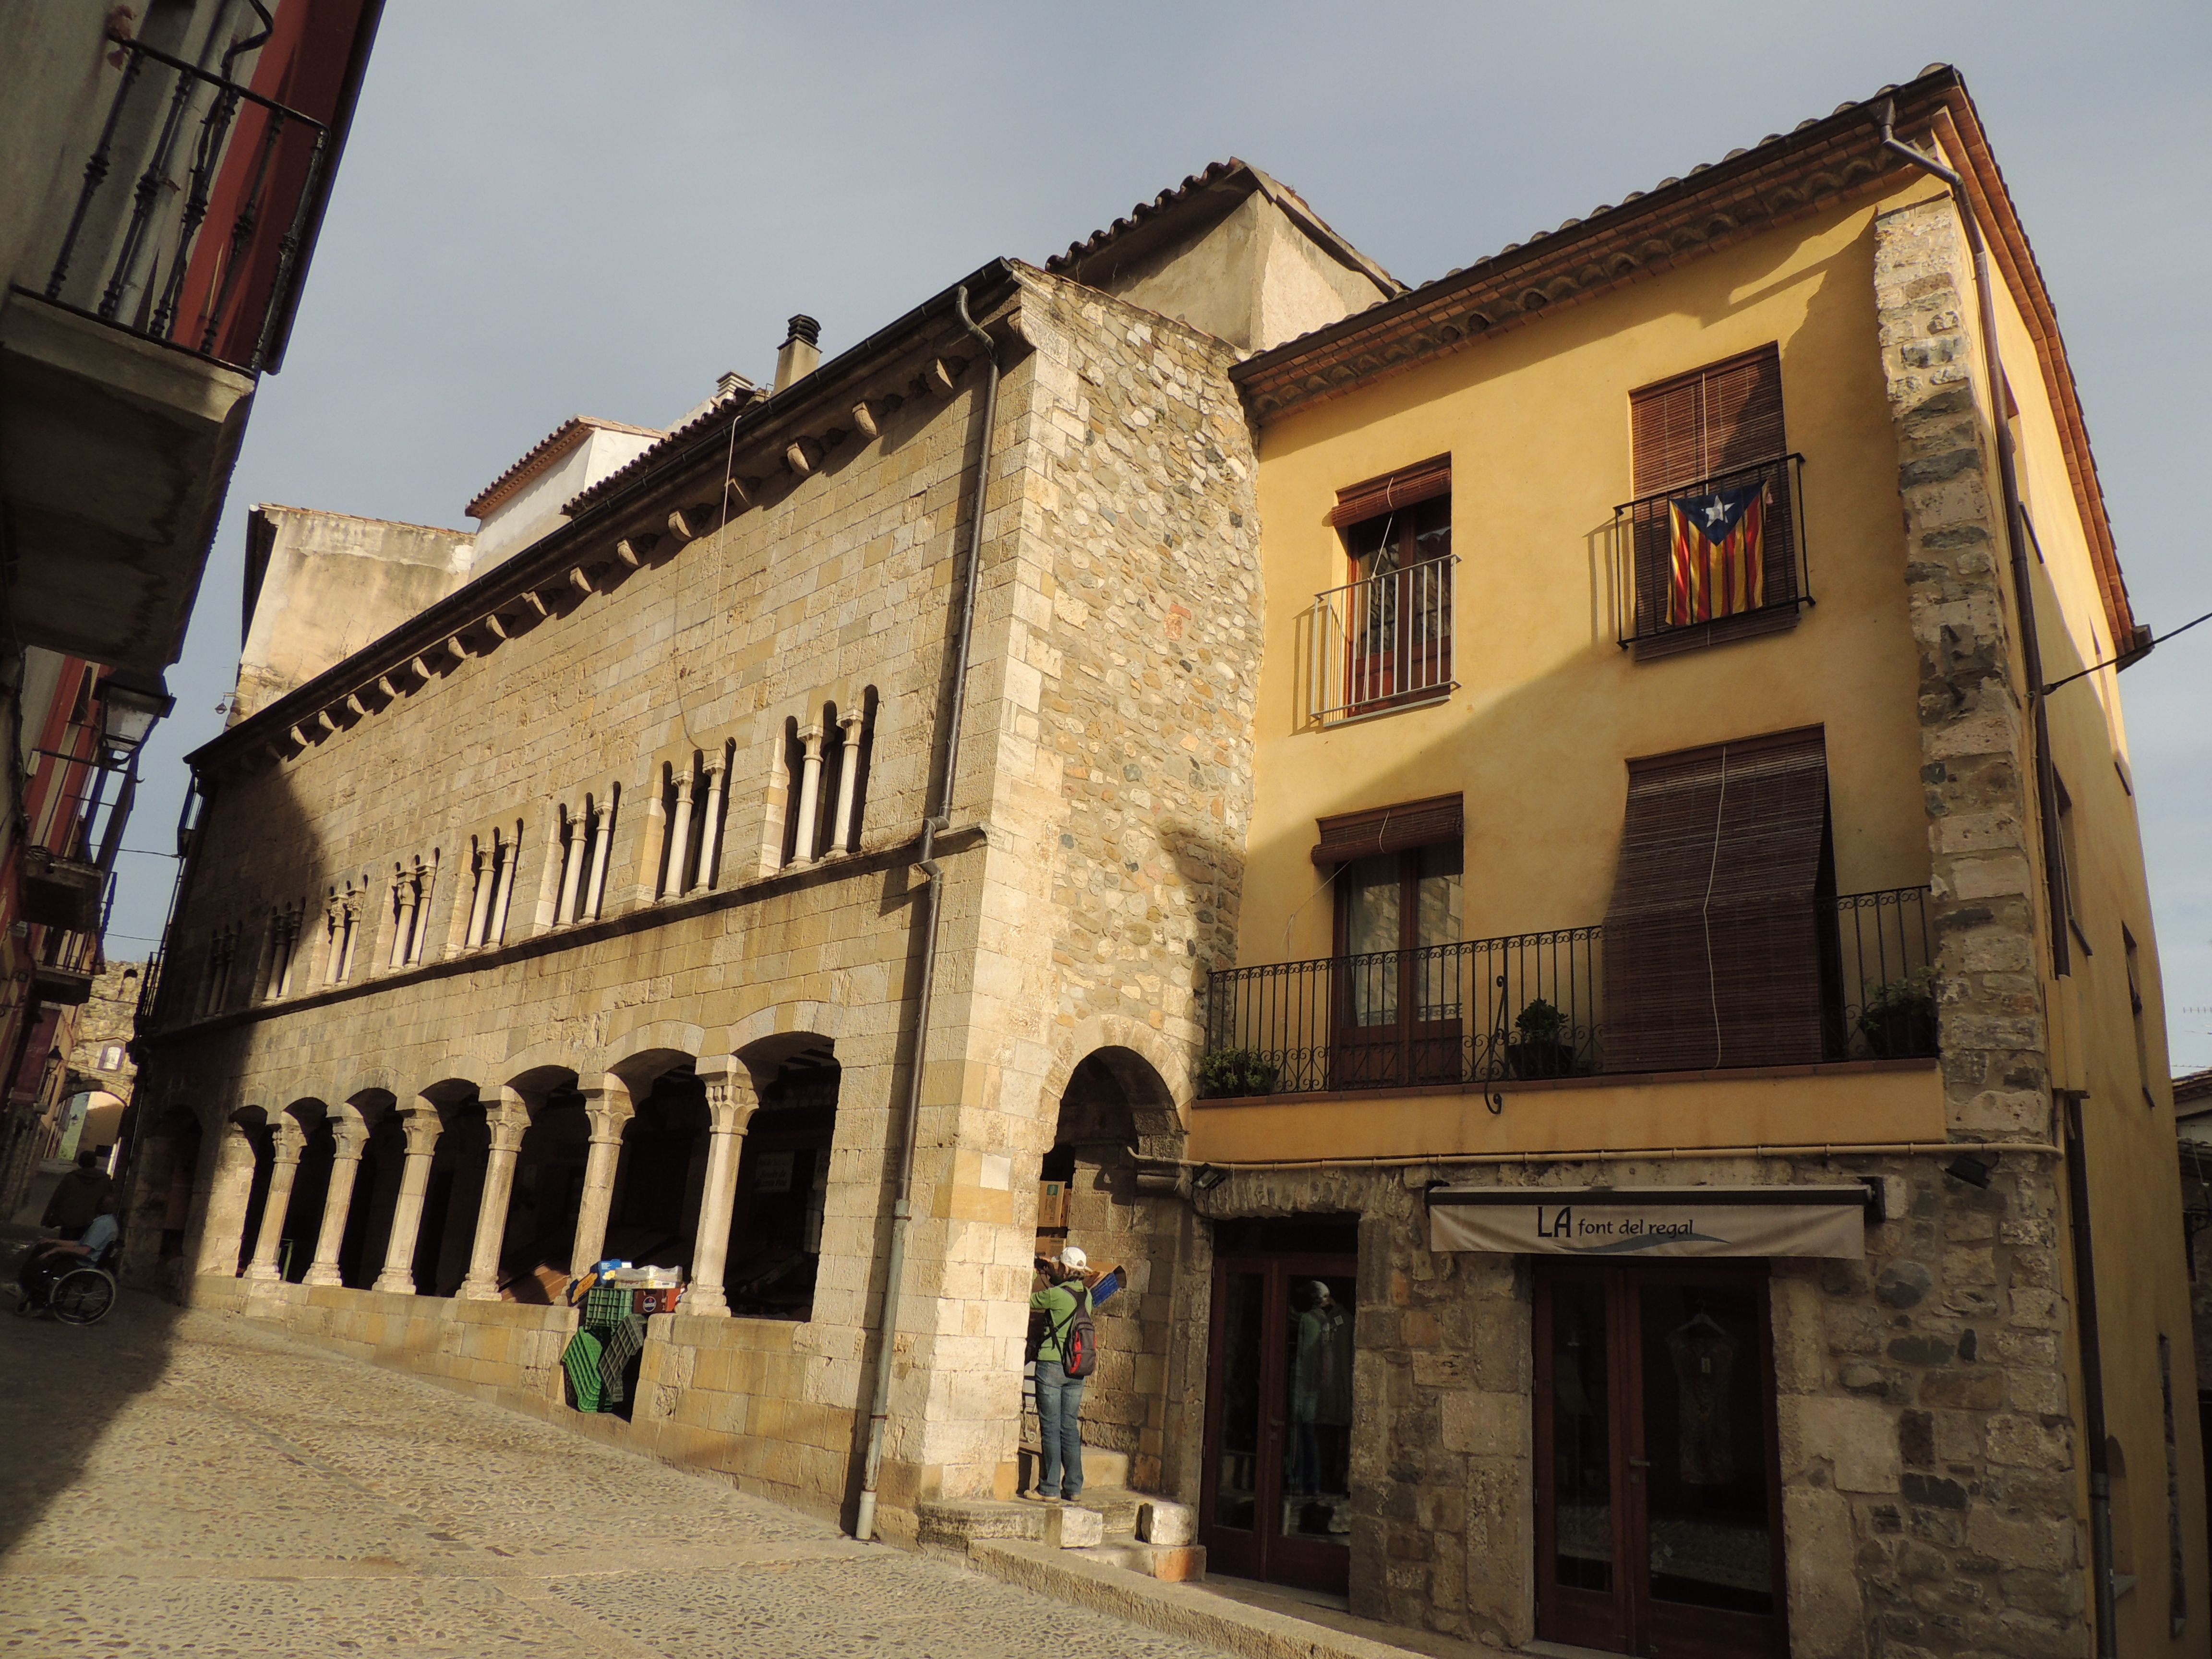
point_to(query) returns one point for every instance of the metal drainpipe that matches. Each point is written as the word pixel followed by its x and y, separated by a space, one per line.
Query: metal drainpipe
pixel 864 1524
pixel 2092 1377
pixel 2085 1279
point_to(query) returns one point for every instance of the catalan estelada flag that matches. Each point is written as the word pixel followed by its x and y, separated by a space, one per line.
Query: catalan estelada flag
pixel 1717 565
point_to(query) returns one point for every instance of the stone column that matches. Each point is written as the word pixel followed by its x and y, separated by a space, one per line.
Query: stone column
pixel 345 1165
pixel 480 904
pixel 810 795
pixel 572 874
pixel 426 888
pixel 679 834
pixel 290 1143
pixel 507 1125
pixel 220 1188
pixel 710 830
pixel 403 930
pixel 848 778
pixel 505 898
pixel 730 1103
pixel 609 1108
pixel 423 1126
pixel 602 832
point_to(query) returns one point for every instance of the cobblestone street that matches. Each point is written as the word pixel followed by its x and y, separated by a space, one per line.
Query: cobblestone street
pixel 189 1483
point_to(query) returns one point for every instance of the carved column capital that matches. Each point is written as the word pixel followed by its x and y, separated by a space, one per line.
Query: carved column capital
pixel 731 1099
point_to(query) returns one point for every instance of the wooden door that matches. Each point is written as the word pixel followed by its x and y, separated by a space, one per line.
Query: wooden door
pixel 1658 1495
pixel 1276 1503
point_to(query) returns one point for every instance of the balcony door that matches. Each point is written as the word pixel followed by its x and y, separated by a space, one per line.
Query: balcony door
pixel 1276 1504
pixel 1400 1016
pixel 1398 617
pixel 1658 1495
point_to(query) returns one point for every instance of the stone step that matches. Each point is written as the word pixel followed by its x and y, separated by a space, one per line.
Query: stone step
pixel 959 1521
pixel 1173 1563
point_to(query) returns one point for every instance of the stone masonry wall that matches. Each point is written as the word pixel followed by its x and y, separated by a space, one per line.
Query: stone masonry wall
pixel 1117 637
pixel 2005 1530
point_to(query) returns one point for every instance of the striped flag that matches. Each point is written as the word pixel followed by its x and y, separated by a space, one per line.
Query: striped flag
pixel 1719 555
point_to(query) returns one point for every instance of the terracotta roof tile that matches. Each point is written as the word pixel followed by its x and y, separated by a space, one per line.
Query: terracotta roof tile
pixel 544 453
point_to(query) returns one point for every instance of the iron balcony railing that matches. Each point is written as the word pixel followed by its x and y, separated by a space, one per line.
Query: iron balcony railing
pixel 1661 595
pixel 196 203
pixel 1529 1006
pixel 1382 641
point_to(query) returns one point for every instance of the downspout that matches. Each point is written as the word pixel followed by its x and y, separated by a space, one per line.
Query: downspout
pixel 2093 1378
pixel 2046 783
pixel 864 1524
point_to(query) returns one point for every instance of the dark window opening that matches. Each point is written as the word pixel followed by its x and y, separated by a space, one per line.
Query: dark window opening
pixel 783 1185
pixel 1385 635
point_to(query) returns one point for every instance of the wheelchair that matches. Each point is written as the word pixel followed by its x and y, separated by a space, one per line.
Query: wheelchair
pixel 75 1290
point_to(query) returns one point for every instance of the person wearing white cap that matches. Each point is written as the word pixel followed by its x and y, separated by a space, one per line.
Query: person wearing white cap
pixel 1062 1298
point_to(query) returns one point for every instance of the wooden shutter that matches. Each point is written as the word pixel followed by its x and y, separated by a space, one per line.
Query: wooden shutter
pixel 1713 954
pixel 1391 829
pixel 1372 497
pixel 1725 414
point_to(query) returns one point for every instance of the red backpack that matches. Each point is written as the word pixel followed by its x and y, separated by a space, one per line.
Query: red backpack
pixel 1079 1340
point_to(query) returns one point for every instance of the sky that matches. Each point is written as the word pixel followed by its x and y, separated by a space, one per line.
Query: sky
pixel 551 207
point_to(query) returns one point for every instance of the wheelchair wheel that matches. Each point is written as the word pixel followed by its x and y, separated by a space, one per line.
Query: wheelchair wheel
pixel 83 1296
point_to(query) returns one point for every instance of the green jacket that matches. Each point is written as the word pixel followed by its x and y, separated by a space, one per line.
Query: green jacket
pixel 1058 1304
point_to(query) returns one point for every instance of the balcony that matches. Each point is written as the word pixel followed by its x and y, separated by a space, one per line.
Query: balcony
pixel 1678 590
pixel 1529 1008
pixel 128 357
pixel 1382 643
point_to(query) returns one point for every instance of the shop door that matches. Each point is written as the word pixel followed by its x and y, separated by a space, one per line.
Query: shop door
pixel 1658 1509
pixel 1277 1500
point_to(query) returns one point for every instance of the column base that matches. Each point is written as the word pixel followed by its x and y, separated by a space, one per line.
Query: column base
pixel 391 1284
pixel 704 1299
pixel 322 1274
pixel 473 1290
pixel 260 1272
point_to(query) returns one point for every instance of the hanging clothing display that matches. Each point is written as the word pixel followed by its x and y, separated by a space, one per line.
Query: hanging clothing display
pixel 1704 1364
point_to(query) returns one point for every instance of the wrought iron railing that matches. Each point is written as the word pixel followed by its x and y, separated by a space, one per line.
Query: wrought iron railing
pixel 1382 641
pixel 1530 1006
pixel 1661 595
pixel 196 203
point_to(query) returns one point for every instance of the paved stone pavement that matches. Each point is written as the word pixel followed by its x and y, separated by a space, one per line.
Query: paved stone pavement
pixel 191 1484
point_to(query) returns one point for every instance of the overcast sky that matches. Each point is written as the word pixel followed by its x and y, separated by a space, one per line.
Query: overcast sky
pixel 551 208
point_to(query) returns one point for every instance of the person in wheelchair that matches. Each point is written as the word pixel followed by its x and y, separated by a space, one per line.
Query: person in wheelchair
pixel 58 1259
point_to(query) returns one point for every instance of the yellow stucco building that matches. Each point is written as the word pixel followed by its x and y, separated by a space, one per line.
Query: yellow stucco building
pixel 1603 874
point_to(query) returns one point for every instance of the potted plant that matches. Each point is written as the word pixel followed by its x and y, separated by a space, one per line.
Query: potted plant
pixel 1541 1051
pixel 1899 1018
pixel 1232 1073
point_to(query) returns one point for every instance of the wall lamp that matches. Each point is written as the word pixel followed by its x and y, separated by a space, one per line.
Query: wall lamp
pixel 130 704
pixel 1208 1177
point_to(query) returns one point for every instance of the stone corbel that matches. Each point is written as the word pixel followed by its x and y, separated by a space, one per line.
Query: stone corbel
pixel 802 455
pixel 580 582
pixel 941 377
pixel 864 420
pixel 739 492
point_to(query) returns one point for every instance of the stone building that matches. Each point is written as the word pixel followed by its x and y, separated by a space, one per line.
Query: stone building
pixel 1600 1071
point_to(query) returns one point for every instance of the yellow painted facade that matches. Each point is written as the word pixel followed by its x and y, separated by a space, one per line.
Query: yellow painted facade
pixel 1547 707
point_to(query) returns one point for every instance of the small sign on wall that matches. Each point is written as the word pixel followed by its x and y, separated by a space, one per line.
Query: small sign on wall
pixel 774 1173
pixel 1651 1221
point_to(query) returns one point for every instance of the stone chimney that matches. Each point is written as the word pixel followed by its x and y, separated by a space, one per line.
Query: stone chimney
pixel 799 353
pixel 731 384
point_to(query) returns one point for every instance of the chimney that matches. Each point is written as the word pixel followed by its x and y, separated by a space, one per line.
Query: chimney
pixel 731 384
pixel 799 353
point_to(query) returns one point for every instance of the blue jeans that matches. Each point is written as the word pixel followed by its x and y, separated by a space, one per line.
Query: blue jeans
pixel 1060 1398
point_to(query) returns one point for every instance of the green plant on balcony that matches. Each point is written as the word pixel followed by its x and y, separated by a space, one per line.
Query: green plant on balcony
pixel 1542 1049
pixel 1900 1016
pixel 1232 1073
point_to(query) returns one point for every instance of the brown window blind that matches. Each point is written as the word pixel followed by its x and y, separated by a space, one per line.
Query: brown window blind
pixel 1713 946
pixel 1724 415
pixel 1391 829
pixel 1372 497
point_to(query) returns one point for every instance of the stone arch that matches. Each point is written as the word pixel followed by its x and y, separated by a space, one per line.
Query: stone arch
pixel 1162 1101
pixel 536 1059
pixel 798 1017
pixel 641 1056
pixel 780 1201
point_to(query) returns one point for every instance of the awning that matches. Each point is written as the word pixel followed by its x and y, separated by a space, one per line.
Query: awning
pixel 1634 1222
